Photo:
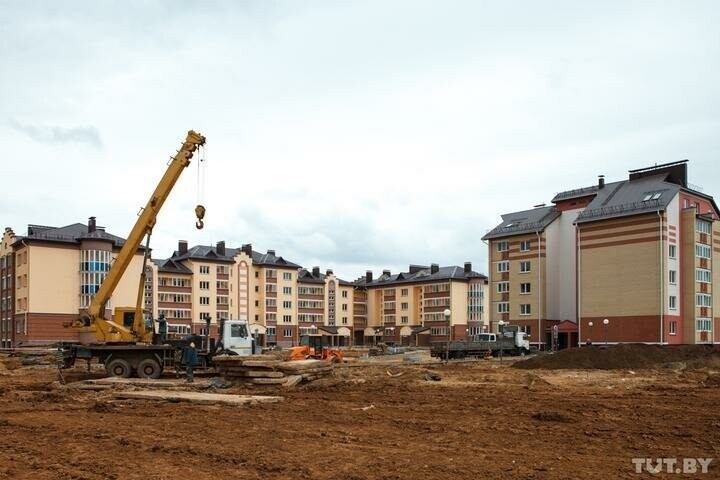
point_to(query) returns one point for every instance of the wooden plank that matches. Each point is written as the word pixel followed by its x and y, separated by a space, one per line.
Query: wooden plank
pixel 255 373
pixel 267 381
pixel 148 382
pixel 292 380
pixel 197 397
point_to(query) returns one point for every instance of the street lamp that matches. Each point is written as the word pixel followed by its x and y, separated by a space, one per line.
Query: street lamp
pixel 447 314
pixel 257 335
pixel 590 324
pixel 502 324
pixel 606 322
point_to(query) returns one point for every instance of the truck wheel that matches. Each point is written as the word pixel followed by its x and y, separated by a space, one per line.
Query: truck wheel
pixel 119 368
pixel 149 368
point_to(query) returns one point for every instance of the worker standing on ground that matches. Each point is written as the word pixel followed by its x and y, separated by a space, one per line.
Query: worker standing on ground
pixel 190 359
pixel 162 329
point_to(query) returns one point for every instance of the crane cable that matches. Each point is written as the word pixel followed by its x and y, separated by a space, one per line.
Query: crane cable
pixel 200 209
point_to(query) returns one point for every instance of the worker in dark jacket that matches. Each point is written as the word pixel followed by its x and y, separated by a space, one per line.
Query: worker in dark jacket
pixel 162 329
pixel 190 359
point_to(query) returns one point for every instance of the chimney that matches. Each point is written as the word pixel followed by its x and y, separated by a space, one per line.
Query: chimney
pixel 92 225
pixel 416 268
pixel 368 276
pixel 247 249
pixel 434 268
pixel 468 267
pixel 220 248
pixel 271 252
pixel 316 271
pixel 386 272
pixel 328 272
pixel 182 247
pixel 601 181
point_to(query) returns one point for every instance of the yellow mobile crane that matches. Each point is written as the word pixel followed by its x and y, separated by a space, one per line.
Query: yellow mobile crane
pixel 124 343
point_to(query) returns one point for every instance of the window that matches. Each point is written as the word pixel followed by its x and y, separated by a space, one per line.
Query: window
pixel 673 328
pixel 204 300
pixel 404 320
pixel 287 290
pixel 672 251
pixel 204 269
pixel 524 288
pixel 287 332
pixel 702 251
pixel 204 285
pixel 270 317
pixel 703 300
pixel 438 331
pixel 287 318
pixel 344 307
pixel 524 267
pixel 652 196
pixel 525 246
pixel 502 246
pixel 287 304
pixel 702 226
pixel 704 324
pixel 270 331
pixel 404 306
pixel 344 320
pixel 503 307
pixel 503 267
pixel 344 294
pixel 525 309
pixel 287 276
pixel 703 275
pixel 673 302
pixel 404 292
pixel 672 276
pixel 503 287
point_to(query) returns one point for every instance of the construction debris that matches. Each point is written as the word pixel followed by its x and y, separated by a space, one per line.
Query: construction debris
pixel 196 397
pixel 269 370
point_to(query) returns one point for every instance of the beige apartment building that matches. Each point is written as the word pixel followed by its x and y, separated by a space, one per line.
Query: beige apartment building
pixel 627 261
pixel 407 308
pixel 50 275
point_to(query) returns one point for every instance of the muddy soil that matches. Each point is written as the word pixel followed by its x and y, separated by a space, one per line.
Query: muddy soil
pixel 480 420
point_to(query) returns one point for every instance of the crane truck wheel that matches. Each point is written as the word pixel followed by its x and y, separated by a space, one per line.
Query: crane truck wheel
pixel 119 368
pixel 149 368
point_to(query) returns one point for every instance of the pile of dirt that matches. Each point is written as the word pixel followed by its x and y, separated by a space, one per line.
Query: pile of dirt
pixel 626 356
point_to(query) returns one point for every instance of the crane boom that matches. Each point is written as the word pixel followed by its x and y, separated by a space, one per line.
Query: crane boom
pixel 94 320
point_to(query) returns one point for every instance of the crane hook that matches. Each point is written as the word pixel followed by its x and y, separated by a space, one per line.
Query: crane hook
pixel 200 214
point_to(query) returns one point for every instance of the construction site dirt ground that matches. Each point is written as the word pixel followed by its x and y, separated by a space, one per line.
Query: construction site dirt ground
pixel 480 420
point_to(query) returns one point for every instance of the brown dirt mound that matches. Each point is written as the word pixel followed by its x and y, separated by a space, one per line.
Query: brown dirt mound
pixel 626 356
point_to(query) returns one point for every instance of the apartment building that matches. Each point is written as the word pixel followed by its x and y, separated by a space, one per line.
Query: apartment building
pixel 407 308
pixel 627 261
pixel 280 300
pixel 50 275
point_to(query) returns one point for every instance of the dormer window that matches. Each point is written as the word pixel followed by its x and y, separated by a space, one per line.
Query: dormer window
pixel 651 196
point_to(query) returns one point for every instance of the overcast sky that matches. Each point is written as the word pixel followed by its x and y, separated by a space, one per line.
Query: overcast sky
pixel 347 134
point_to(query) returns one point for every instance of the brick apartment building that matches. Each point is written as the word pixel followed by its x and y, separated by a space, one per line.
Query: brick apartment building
pixel 638 252
pixel 407 308
pixel 50 275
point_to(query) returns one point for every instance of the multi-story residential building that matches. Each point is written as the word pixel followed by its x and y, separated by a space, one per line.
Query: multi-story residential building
pixel 407 308
pixel 7 292
pixel 628 261
pixel 50 276
pixel 280 300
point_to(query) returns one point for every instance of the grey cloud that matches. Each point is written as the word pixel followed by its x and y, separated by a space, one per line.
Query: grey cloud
pixel 55 134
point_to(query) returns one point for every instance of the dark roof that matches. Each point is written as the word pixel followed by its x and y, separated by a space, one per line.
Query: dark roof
pixel 526 221
pixel 306 276
pixel 71 234
pixel 577 193
pixel 210 253
pixel 627 197
pixel 420 276
pixel 171 266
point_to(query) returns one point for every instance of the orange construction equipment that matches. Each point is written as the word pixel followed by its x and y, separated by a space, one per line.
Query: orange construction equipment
pixel 311 347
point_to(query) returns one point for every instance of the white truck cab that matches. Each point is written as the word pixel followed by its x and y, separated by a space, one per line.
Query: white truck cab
pixel 236 337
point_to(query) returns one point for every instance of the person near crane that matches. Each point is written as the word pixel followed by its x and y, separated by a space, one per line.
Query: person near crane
pixel 162 329
pixel 190 359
